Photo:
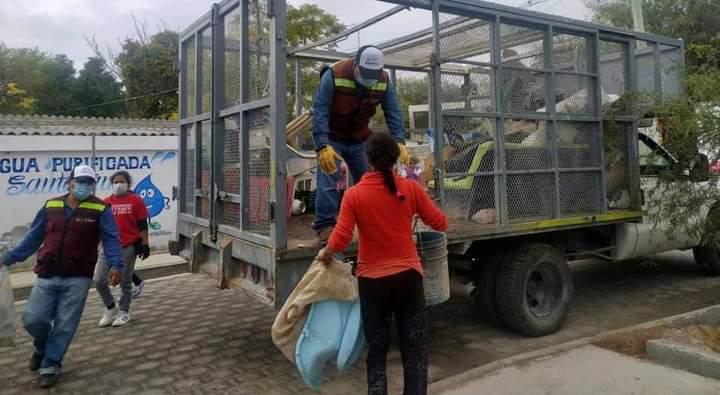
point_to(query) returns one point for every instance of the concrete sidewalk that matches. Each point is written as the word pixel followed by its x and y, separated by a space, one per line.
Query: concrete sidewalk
pixel 587 370
pixel 158 265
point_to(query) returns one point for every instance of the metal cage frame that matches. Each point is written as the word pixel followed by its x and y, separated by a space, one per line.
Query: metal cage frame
pixel 204 48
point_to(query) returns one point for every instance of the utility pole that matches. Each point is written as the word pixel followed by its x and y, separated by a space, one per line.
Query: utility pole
pixel 638 20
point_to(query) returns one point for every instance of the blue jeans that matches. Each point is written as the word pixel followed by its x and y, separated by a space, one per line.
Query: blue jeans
pixel 52 315
pixel 326 197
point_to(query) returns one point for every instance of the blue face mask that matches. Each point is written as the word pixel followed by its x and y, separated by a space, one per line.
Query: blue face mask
pixel 366 83
pixel 82 191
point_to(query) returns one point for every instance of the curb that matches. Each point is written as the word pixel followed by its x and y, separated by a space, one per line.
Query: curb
pixel 454 382
pixel 147 272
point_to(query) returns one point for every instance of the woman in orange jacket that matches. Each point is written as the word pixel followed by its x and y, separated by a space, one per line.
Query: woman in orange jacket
pixel 390 275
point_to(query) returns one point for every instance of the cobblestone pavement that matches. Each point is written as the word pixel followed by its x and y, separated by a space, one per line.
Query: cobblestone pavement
pixel 186 336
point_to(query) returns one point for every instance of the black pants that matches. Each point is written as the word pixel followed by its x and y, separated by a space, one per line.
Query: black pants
pixel 402 296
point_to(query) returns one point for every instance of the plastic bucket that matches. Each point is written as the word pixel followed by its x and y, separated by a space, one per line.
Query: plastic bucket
pixel 432 249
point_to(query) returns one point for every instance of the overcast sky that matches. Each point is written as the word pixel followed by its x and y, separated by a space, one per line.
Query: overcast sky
pixel 59 26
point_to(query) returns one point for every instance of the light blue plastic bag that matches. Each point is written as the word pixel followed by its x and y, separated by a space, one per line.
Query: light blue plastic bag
pixel 7 309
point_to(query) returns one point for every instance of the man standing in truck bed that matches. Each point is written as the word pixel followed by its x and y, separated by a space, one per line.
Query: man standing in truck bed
pixel 346 100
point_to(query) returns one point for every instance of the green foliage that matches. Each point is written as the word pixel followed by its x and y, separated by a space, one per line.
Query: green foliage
pixel 46 78
pixel 309 23
pixel 693 21
pixel 95 85
pixel 147 65
pixel 14 100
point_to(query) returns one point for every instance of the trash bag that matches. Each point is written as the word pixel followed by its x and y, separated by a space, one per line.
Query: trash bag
pixel 7 309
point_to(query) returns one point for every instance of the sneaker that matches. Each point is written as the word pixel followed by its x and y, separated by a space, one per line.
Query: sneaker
pixel 35 362
pixel 122 319
pixel 48 380
pixel 138 289
pixel 107 318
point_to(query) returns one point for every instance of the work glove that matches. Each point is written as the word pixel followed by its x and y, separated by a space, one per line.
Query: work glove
pixel 404 156
pixel 328 158
pixel 142 250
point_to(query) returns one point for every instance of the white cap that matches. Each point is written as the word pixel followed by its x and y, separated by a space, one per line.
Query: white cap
pixel 83 171
pixel 371 61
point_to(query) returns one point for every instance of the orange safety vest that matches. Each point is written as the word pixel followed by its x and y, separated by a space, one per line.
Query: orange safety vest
pixel 352 108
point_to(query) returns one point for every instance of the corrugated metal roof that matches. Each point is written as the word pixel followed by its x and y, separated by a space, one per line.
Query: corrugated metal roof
pixel 45 125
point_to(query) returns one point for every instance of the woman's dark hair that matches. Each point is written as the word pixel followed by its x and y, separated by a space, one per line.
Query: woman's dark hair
pixel 124 174
pixel 383 153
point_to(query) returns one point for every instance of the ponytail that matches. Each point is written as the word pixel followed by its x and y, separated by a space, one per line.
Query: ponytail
pixel 389 179
pixel 383 153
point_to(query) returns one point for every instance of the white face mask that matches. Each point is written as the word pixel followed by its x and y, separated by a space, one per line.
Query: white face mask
pixel 120 188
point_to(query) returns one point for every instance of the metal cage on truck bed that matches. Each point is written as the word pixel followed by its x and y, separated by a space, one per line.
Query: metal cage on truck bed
pixel 519 104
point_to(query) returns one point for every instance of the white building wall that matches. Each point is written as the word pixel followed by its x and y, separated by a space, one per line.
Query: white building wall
pixel 35 168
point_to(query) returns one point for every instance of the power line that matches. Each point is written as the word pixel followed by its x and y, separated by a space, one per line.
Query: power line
pixel 116 101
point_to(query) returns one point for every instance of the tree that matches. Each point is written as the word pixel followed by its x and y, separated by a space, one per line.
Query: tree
pixel 689 124
pixel 147 69
pixel 309 23
pixel 695 22
pixel 14 100
pixel 95 85
pixel 46 78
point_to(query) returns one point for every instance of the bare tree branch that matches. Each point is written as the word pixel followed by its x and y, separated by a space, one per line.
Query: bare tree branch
pixel 108 58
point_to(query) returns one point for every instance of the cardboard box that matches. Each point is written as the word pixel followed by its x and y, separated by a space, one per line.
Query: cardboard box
pixel 428 173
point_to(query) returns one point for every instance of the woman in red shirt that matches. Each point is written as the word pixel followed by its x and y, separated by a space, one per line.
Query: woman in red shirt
pixel 382 206
pixel 131 217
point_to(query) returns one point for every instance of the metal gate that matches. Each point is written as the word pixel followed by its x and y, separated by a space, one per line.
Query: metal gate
pixel 232 127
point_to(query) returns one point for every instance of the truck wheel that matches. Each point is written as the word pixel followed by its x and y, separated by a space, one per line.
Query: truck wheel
pixel 534 288
pixel 708 258
pixel 485 290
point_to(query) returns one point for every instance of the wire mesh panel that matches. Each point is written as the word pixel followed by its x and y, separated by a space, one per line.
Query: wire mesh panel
pixel 526 146
pixel 645 64
pixel 206 70
pixel 205 148
pixel 232 171
pixel 521 46
pixel 463 38
pixel 578 144
pixel 576 94
pixel 523 91
pixel 467 88
pixel 258 126
pixel 258 49
pixel 613 77
pixel 617 169
pixel 472 146
pixel 190 64
pixel 672 69
pixel 580 193
pixel 188 171
pixel 571 53
pixel 233 31
pixel 530 197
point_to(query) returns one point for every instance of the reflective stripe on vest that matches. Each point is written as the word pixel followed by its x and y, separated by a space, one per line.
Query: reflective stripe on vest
pixel 92 206
pixel 346 83
pixel 55 204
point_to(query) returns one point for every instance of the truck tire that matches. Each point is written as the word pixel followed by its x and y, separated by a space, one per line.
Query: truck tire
pixel 708 258
pixel 534 288
pixel 484 296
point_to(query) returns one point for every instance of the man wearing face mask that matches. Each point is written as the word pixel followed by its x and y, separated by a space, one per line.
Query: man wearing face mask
pixel 346 100
pixel 131 217
pixel 66 231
